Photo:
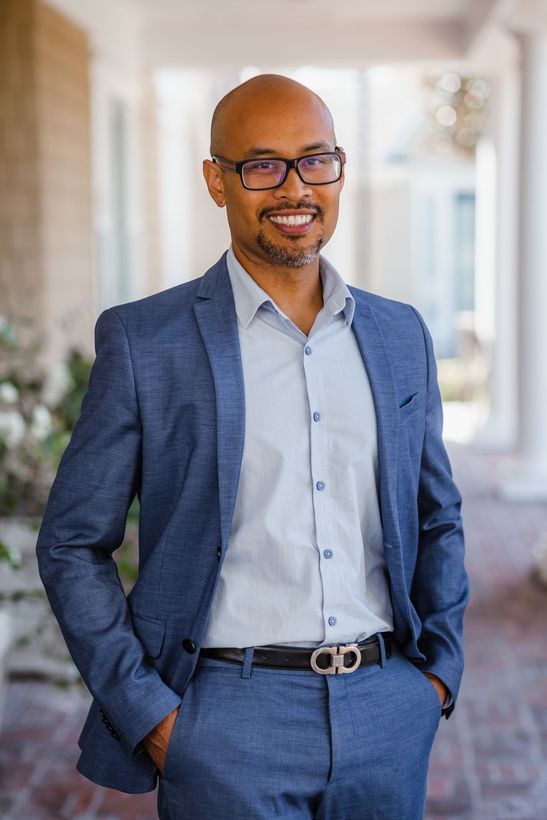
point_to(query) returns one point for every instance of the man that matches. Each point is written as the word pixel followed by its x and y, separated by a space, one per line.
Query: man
pixel 295 630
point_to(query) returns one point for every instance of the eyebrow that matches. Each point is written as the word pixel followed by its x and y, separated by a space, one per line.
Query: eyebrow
pixel 258 150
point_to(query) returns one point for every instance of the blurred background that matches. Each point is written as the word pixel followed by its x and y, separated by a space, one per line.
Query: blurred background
pixel 441 106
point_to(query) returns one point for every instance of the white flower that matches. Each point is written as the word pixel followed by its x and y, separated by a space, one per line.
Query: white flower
pixel 8 393
pixel 58 383
pixel 40 425
pixel 12 427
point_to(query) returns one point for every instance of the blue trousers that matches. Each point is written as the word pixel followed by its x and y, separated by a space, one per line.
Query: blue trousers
pixel 256 743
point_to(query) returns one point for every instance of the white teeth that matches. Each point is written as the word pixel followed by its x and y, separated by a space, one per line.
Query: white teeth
pixel 292 220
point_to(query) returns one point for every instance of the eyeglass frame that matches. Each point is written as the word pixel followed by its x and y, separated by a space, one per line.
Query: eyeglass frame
pixel 289 163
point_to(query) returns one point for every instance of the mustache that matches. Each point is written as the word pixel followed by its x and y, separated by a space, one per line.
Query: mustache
pixel 292 206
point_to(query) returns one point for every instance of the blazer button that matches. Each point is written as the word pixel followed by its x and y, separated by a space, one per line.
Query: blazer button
pixel 189 645
pixel 219 553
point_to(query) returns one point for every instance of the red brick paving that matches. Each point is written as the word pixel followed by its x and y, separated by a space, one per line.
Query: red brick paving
pixel 489 759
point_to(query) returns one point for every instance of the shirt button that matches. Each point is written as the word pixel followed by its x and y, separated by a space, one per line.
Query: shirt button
pixel 307 350
pixel 332 621
pixel 316 416
pixel 320 485
pixel 328 553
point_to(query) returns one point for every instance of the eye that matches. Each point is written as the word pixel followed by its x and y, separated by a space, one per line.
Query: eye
pixel 314 162
pixel 262 166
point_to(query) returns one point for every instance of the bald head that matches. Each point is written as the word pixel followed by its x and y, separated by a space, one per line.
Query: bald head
pixel 257 98
pixel 272 117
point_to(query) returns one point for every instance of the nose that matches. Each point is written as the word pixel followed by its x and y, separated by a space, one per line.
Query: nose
pixel 292 187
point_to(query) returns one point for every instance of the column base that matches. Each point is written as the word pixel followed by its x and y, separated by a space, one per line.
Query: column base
pixel 524 482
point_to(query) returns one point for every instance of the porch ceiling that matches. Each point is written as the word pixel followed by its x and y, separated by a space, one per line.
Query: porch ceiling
pixel 355 33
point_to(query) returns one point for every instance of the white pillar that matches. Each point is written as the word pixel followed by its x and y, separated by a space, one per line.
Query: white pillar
pixel 496 288
pixel 527 480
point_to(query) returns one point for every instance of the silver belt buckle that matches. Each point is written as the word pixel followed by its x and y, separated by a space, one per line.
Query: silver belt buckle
pixel 337 654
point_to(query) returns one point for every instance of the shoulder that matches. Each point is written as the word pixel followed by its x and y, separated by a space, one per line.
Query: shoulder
pixel 159 305
pixel 165 318
pixel 393 317
pixel 161 309
pixel 153 320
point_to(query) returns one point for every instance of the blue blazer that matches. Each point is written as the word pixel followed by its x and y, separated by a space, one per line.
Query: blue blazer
pixel 163 418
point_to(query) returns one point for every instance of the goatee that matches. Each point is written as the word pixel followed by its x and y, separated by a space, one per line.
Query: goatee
pixel 295 257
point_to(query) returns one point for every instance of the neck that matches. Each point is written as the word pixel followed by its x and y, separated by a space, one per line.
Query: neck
pixel 297 291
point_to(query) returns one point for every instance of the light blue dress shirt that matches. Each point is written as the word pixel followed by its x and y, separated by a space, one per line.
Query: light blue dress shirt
pixel 305 563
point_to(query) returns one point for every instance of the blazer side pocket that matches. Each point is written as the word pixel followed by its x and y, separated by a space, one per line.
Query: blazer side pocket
pixel 150 632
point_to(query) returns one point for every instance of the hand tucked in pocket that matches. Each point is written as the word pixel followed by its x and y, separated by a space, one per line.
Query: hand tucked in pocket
pixel 156 742
pixel 442 691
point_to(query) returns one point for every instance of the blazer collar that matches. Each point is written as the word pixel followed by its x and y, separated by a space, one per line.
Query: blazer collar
pixel 216 281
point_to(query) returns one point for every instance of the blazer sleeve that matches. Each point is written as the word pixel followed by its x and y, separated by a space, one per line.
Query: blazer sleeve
pixel 84 523
pixel 440 588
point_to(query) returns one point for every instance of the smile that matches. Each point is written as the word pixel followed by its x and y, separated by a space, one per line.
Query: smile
pixel 303 219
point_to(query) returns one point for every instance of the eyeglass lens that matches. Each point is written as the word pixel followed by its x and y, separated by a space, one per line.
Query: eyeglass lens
pixel 315 170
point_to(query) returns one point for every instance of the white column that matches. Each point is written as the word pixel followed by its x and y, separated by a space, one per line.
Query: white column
pixel 496 276
pixel 527 480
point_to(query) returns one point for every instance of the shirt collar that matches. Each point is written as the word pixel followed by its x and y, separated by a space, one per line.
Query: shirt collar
pixel 249 297
pixel 336 294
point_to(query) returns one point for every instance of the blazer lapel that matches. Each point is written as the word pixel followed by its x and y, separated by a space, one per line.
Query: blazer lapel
pixel 217 323
pixel 373 350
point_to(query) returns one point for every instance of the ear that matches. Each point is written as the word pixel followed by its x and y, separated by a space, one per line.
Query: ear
pixel 343 176
pixel 214 181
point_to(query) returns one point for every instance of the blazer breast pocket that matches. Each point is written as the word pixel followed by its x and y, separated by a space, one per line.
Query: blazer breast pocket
pixel 409 405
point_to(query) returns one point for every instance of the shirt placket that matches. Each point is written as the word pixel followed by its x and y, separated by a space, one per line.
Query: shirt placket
pixel 321 487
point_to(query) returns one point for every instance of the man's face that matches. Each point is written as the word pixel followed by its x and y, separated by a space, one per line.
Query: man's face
pixel 263 224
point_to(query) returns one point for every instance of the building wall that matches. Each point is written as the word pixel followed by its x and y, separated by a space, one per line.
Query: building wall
pixel 19 166
pixel 45 215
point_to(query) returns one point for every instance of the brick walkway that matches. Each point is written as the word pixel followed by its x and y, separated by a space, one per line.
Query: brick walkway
pixel 489 759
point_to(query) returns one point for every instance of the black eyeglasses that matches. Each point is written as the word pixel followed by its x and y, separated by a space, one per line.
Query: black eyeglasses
pixel 271 172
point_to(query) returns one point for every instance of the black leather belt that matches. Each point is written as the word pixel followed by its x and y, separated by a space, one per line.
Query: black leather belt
pixel 325 660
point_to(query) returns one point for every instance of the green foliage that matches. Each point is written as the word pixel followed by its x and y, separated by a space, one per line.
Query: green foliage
pixel 34 431
pixel 127 562
pixel 68 407
pixel 37 418
pixel 8 557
